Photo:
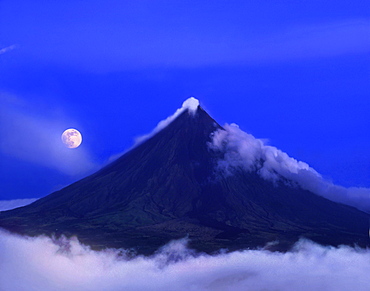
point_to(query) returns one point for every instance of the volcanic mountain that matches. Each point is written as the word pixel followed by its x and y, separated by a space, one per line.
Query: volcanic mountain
pixel 168 188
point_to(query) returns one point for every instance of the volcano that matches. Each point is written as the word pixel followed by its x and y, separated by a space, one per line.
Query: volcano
pixel 168 188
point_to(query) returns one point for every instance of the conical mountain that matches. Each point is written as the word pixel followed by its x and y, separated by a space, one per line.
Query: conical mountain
pixel 167 188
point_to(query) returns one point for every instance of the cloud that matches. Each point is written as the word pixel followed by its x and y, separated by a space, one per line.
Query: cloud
pixel 178 41
pixel 11 204
pixel 243 150
pixel 191 104
pixel 43 263
pixel 7 49
pixel 35 137
pixel 310 41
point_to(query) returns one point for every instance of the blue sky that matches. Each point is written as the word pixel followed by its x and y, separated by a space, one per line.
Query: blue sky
pixel 294 72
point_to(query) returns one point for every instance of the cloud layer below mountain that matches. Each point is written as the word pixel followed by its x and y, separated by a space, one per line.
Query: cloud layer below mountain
pixel 45 264
pixel 243 150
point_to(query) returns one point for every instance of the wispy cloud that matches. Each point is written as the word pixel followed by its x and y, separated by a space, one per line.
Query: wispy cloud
pixel 198 46
pixel 45 264
pixel 7 49
pixel 34 137
pixel 244 150
pixel 309 42
pixel 191 104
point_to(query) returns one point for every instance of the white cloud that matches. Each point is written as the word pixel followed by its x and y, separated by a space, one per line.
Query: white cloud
pixel 45 264
pixel 11 204
pixel 7 49
pixel 244 150
pixel 190 104
pixel 36 138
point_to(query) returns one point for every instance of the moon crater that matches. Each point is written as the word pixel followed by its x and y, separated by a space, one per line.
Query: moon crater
pixel 71 138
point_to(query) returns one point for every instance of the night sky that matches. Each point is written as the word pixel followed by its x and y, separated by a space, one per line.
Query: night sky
pixel 294 72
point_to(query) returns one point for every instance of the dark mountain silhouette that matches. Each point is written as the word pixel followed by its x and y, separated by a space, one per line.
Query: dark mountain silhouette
pixel 167 188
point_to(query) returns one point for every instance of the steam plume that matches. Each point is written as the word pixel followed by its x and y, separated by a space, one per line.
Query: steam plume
pixel 245 151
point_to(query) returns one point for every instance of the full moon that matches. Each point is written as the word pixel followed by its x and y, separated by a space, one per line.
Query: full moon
pixel 71 138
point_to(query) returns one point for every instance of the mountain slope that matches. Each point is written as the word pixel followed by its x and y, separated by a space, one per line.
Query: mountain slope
pixel 167 188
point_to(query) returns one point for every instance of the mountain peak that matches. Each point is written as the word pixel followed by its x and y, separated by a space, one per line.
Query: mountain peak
pixel 191 104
